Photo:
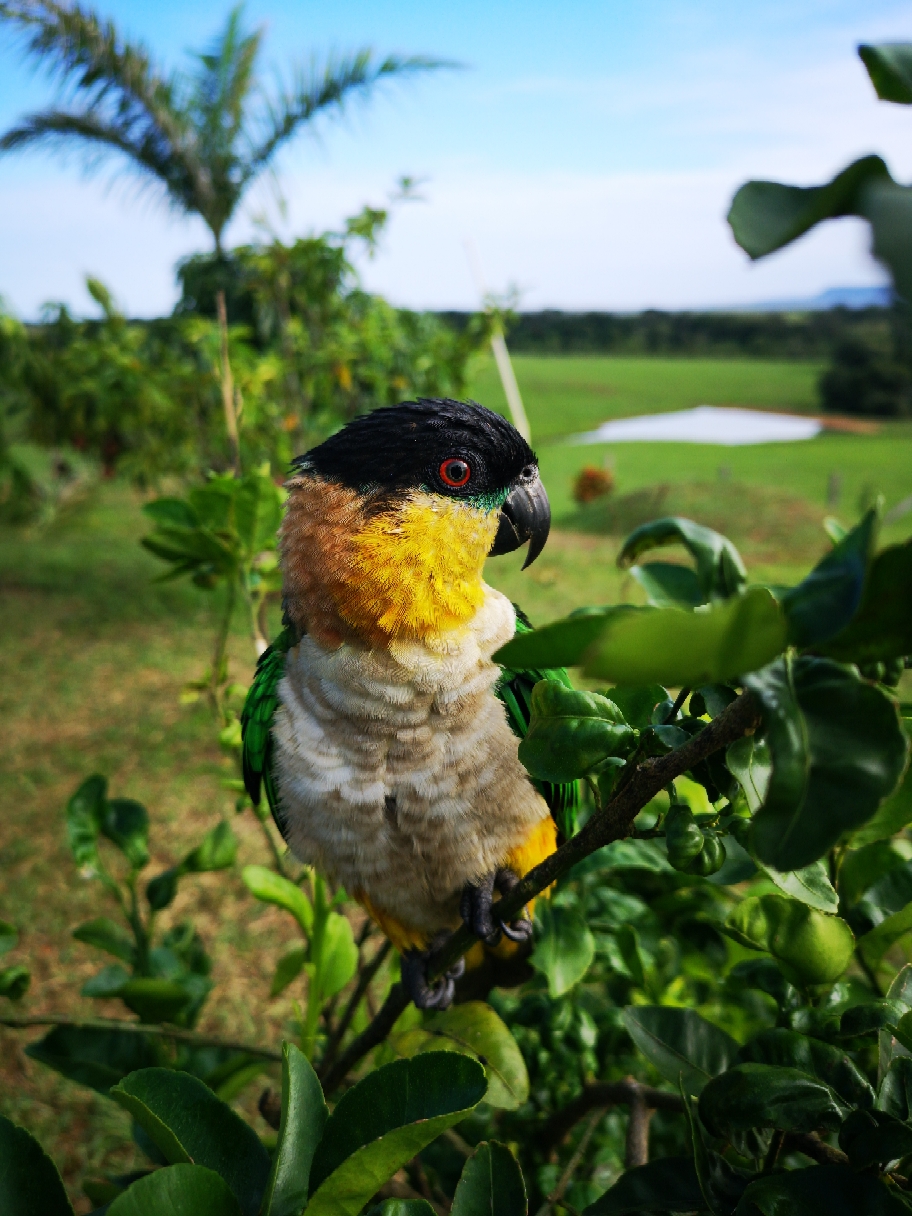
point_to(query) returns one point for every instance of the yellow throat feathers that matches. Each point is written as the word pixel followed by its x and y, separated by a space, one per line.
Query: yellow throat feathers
pixel 409 573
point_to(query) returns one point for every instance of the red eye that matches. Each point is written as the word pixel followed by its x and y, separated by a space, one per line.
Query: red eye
pixel 455 472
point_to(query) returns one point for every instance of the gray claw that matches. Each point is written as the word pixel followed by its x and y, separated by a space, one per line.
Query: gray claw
pixel 478 909
pixel 429 995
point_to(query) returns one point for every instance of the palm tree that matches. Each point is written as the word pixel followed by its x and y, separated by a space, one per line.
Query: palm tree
pixel 204 137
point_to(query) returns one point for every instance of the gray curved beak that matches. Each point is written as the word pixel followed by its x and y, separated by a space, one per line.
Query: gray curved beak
pixel 526 515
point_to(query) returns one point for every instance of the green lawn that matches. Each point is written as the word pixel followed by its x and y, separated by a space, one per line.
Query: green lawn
pixel 95 655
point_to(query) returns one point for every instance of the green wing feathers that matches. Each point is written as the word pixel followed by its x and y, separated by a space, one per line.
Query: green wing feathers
pixel 256 720
pixel 514 688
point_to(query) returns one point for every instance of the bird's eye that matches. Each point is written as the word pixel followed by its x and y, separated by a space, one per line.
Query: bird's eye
pixel 455 472
pixel 528 473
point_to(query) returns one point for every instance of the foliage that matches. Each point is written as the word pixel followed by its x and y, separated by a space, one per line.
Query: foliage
pixel 202 137
pixel 864 380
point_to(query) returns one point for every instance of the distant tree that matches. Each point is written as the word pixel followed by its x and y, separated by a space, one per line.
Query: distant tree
pixel 203 136
pixel 864 380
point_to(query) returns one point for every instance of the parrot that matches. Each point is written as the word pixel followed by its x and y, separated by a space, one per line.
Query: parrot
pixel 378 725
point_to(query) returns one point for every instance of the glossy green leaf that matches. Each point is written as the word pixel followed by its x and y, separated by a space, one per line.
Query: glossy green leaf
pixel 303 1118
pixel 157 1000
pixel 105 934
pixel 875 943
pixel 900 994
pixel 189 1123
pixel 764 216
pixel 681 1045
pixel 638 702
pixel 874 1138
pixel 881 628
pixel 9 936
pixel 748 760
pixel 824 602
pixel 669 586
pixel 491 1184
pixel 97 1058
pixel 271 888
pixel 675 648
pixel 340 955
pixel 84 813
pixel 834 1067
pixel 126 824
pixel 386 1119
pixel 890 68
pixel 561 643
pixel 888 208
pixel 895 1093
pixel 821 1190
pixel 29 1182
pixel 474 1029
pixel 14 981
pixel 403 1207
pixel 288 968
pixel 764 1095
pixel 719 569
pixel 837 750
pixel 861 868
pixel 894 813
pixel 216 851
pixel 668 1185
pixel 810 947
pixel 570 732
pixel 161 890
pixel 720 1183
pixel 171 511
pixel 869 1017
pixel 564 947
pixel 179 1190
pixel 811 885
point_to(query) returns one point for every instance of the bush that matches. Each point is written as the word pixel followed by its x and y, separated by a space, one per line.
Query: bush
pixel 865 381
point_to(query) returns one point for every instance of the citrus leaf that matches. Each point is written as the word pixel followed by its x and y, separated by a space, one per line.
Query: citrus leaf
pixel 491 1184
pixel 680 1044
pixel 303 1117
pixel 29 1182
pixel 179 1190
pixel 564 947
pixel 271 888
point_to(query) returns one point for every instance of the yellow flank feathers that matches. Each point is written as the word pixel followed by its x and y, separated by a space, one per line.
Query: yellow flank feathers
pixel 417 569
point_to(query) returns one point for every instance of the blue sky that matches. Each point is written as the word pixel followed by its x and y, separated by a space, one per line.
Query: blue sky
pixel 587 149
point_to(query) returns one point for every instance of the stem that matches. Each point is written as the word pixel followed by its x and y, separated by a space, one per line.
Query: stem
pixel 870 974
pixel 364 980
pixel 315 984
pixel 636 1151
pixel 775 1149
pixel 613 822
pixel 227 381
pixel 221 642
pixel 162 1032
pixel 676 708
pixel 600 1097
pixel 263 816
pixel 572 1165
pixel 139 929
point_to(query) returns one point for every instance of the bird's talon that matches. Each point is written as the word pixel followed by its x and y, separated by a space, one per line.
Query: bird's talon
pixel 479 912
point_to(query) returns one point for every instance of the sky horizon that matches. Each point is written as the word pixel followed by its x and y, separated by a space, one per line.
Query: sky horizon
pixel 589 154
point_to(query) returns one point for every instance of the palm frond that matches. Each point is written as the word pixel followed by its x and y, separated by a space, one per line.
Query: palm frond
pixel 317 91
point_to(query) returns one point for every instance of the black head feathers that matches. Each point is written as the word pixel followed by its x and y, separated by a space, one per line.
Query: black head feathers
pixel 450 447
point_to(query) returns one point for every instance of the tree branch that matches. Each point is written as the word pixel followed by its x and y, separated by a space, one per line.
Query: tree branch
pixel 163 1032
pixel 613 822
pixel 636 1151
pixel 364 980
pixel 599 1096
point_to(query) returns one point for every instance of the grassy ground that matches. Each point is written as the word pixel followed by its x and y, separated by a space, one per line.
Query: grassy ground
pixel 95 655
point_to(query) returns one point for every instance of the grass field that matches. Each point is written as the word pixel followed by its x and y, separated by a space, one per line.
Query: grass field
pixel 95 654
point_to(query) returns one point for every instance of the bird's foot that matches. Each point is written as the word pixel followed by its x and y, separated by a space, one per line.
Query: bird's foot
pixel 478 909
pixel 429 994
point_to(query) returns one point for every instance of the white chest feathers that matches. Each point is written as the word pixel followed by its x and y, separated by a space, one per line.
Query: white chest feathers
pixel 397 771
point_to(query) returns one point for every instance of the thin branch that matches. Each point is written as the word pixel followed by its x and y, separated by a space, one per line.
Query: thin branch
pixel 192 1037
pixel 636 1151
pixel 599 1096
pixel 812 1146
pixel 364 980
pixel 612 822
pixel 572 1165
pixel 676 708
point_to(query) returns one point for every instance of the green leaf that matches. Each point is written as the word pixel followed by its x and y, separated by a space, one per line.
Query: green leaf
pixel 171 511
pixel 890 68
pixel 748 760
pixel 29 1182
pixel 340 956
pixel 810 948
pixel 84 813
pixel 386 1119
pixel 881 628
pixel 216 851
pixel 189 1123
pixel 764 216
pixel 14 981
pixel 271 888
pixel 874 1137
pixel 637 703
pixel 675 648
pixel 837 751
pixel 894 813
pixel 561 643
pixel 667 1185
pixel 126 824
pixel 888 208
pixel 97 1058
pixel 764 1095
pixel 491 1184
pixel 288 968
pixel 810 885
pixel 9 936
pixel 564 947
pixel 861 868
pixel 895 1093
pixel 161 890
pixel 105 935
pixel 831 1065
pixel 823 604
pixel 720 571
pixel 570 732
pixel 669 586
pixel 107 982
pixel 158 1000
pixel 821 1190
pixel 680 1044
pixel 403 1207
pixel 179 1190
pixel 475 1030
pixel 875 943
pixel 303 1117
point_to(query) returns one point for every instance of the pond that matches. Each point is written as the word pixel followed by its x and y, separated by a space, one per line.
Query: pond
pixel 705 424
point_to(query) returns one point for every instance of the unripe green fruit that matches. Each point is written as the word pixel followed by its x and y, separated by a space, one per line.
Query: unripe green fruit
pixel 683 838
pixel 710 859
